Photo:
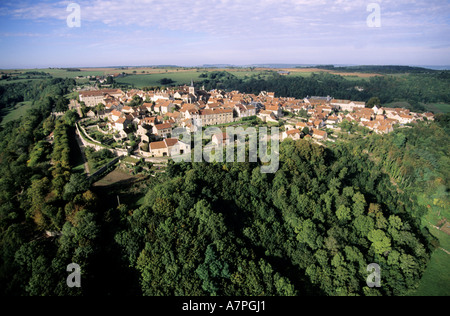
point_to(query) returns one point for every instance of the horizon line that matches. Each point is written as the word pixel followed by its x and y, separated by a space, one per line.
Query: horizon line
pixel 225 65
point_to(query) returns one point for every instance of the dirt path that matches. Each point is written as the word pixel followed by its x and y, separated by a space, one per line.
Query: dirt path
pixel 435 227
pixel 446 251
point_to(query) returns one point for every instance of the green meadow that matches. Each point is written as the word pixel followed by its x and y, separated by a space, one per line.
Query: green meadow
pixel 149 80
pixel 138 76
pixel 436 279
pixel 432 107
pixel 15 112
pixel 438 107
pixel 180 77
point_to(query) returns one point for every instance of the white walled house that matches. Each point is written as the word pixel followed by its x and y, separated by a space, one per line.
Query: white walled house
pixel 169 147
pixel 347 105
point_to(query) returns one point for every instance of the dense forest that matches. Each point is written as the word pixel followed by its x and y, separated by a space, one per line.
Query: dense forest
pixel 415 89
pixel 311 228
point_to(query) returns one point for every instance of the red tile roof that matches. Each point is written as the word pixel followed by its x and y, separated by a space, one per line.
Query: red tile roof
pixel 163 126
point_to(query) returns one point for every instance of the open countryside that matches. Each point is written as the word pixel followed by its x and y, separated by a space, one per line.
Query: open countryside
pixel 118 126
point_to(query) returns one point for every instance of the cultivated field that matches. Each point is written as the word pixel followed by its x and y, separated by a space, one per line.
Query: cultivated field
pixel 149 76
pixel 309 71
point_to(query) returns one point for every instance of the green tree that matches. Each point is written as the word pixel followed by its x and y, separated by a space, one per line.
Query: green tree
pixel 62 104
pixel 99 108
pixel 380 242
pixel 212 270
pixel 359 204
pixel 77 184
pixel 308 234
pixel 71 117
pixel 283 286
pixel 343 213
pixel 374 101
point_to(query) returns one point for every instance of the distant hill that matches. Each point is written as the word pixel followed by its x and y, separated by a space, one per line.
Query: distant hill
pixel 218 66
pixel 387 69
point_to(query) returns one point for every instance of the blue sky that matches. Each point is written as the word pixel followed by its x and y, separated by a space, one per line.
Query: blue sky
pixel 197 32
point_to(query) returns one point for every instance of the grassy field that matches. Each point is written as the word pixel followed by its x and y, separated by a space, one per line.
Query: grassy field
pixel 436 279
pixel 16 112
pixel 306 72
pixel 432 107
pixel 149 76
pixel 114 177
pixel 59 73
pixel 351 77
pixel 130 160
pixel 438 107
pixel 148 80
pixel 180 76
pixel 6 82
pixel 400 104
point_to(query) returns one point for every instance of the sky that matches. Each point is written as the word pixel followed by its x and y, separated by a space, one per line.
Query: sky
pixel 42 34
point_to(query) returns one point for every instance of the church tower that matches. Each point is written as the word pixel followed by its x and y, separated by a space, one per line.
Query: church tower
pixel 192 89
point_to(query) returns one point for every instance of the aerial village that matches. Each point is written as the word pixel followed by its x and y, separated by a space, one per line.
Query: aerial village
pixel 144 130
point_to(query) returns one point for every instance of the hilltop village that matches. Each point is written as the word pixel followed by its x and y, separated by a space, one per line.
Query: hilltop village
pixel 140 122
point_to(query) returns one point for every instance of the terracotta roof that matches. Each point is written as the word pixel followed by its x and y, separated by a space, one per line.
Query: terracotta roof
pixel 165 103
pixel 116 113
pixel 216 111
pixel 340 101
pixel 171 142
pixel 272 108
pixel 293 131
pixel 319 132
pixel 150 120
pixel 158 145
pixel 100 92
pixel 163 126
pixel 91 93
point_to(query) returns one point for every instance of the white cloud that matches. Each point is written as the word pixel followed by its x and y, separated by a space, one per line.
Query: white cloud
pixel 235 17
pixel 245 27
pixel 200 15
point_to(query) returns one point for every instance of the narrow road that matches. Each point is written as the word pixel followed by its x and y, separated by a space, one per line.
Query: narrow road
pixel 75 105
pixel 80 144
